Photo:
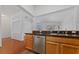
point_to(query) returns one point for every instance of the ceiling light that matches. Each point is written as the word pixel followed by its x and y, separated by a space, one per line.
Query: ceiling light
pixel 2 15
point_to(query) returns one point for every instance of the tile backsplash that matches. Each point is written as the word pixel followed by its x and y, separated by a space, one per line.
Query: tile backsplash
pixel 48 26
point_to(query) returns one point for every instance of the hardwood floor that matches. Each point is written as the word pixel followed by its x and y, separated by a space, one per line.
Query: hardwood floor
pixel 27 52
pixel 11 46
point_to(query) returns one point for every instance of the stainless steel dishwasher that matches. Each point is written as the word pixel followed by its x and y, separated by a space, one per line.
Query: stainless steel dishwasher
pixel 39 44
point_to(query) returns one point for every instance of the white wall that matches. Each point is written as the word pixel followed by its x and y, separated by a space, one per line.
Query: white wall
pixel 5 25
pixel 66 17
pixel 21 23
pixel 0 33
pixel 24 18
pixel 77 17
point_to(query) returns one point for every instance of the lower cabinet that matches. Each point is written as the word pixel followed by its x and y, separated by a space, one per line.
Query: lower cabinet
pixel 28 41
pixel 69 49
pixel 57 48
pixel 52 47
pixel 55 45
pixel 29 44
pixel 62 46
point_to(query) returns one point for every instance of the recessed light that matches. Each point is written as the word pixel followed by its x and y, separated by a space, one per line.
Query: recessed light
pixel 2 15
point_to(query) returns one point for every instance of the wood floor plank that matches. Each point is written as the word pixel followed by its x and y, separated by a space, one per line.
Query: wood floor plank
pixel 11 46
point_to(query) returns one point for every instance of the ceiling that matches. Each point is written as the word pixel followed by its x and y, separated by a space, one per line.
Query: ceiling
pixel 35 10
pixel 9 9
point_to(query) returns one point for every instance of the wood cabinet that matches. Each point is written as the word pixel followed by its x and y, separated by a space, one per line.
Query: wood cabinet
pixel 69 49
pixel 62 45
pixel 28 39
pixel 52 47
pixel 56 44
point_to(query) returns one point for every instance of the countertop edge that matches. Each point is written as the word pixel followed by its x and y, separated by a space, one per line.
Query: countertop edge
pixel 57 35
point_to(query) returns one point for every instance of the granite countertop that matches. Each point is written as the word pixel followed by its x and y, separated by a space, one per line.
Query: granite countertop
pixel 64 35
pixel 57 35
pixel 29 33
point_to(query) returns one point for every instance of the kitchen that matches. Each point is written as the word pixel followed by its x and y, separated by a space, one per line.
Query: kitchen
pixel 42 29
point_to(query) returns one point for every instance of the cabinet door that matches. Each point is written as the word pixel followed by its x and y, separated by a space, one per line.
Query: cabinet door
pixel 69 49
pixel 52 47
pixel 29 41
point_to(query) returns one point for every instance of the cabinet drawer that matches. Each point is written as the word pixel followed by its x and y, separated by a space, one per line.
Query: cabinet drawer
pixel 55 39
pixel 69 49
pixel 72 41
